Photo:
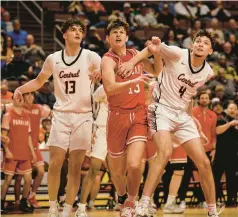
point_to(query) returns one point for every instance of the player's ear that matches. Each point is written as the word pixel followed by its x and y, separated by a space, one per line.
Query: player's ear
pixel 64 36
pixel 211 51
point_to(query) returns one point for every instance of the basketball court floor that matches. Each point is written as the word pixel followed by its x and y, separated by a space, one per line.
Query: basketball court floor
pixel 228 212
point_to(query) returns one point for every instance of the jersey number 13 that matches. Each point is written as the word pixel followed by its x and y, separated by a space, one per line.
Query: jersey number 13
pixel 70 87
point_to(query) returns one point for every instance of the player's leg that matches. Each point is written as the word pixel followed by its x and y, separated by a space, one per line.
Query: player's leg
pixel 17 189
pixel 196 152
pixel 4 188
pixel 27 177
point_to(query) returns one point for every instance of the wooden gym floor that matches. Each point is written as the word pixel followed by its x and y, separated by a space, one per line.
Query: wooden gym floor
pixel 228 212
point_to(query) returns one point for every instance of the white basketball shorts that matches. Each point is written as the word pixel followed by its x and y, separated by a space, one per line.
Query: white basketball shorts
pixel 178 122
pixel 71 131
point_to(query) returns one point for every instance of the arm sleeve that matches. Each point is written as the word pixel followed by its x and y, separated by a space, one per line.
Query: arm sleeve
pixel 95 59
pixel 172 53
pixel 48 66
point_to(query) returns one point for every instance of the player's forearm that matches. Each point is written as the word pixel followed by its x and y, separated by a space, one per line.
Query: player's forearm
pixel 167 52
pixel 31 146
pixel 158 64
pixel 223 128
pixel 140 56
pixel 31 86
pixel 117 87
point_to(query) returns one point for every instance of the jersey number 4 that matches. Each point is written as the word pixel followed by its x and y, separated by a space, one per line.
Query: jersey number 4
pixel 136 90
pixel 182 90
pixel 70 87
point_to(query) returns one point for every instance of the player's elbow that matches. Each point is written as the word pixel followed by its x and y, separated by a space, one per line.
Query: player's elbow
pixel 109 90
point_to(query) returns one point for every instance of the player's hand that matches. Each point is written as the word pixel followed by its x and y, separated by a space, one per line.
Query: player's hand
pixel 17 97
pixel 5 139
pixel 233 123
pixel 8 154
pixel 95 76
pixel 212 155
pixel 34 158
pixel 146 78
pixel 125 69
pixel 154 45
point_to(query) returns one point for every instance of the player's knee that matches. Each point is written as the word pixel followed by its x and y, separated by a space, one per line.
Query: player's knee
pixel 55 165
pixel 27 178
pixel 164 155
pixel 134 165
pixel 18 178
pixel 40 172
pixel 8 179
pixel 207 164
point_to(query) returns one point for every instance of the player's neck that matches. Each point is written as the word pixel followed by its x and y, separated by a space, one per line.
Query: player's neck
pixel 72 50
pixel 119 51
pixel 17 109
pixel 28 105
pixel 196 61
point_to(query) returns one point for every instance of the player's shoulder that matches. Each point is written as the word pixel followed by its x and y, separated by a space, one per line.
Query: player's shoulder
pixel 88 52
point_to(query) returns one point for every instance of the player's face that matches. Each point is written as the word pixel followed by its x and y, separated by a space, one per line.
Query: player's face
pixel 202 47
pixel 29 98
pixel 74 35
pixel 232 110
pixel 117 37
pixel 204 100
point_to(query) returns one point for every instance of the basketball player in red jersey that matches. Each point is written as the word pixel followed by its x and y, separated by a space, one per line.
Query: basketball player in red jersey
pixel 36 112
pixel 127 122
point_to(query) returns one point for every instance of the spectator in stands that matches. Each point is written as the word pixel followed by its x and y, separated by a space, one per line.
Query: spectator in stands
pixel 220 12
pixel 45 95
pixel 128 15
pixel 221 94
pixel 197 25
pixel 6 49
pixel 75 7
pixel 94 41
pixel 33 52
pixel 184 10
pixel 170 4
pixel 216 29
pixel 202 10
pixel 217 107
pixel 144 19
pixel 187 42
pixel 18 35
pixel 17 67
pixel 226 154
pixel 6 95
pixel 6 24
pixel 170 39
pixel 94 9
pixel 232 29
pixel 134 40
pixel 180 33
pixel 165 16
pixel 230 55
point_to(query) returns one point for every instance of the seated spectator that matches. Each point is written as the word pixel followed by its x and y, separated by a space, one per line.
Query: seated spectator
pixel 33 52
pixel 171 7
pixel 197 25
pixel 187 42
pixel 6 24
pixel 170 39
pixel 229 53
pixel 202 10
pixel 18 35
pixel 6 95
pixel 45 95
pixel 6 49
pixel 232 29
pixel 94 41
pixel 128 15
pixel 217 107
pixel 144 19
pixel 180 33
pixel 215 28
pixel 221 94
pixel 220 12
pixel 17 67
pixel 134 41
pixel 184 10
pixel 165 16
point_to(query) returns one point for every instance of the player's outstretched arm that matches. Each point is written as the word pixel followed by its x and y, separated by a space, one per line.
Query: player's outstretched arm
pixel 110 85
pixel 36 83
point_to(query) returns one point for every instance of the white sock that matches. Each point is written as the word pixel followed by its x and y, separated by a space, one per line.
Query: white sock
pixel 82 206
pixel 212 208
pixel 145 200
pixel 32 194
pixel 53 204
pixel 67 208
pixel 170 199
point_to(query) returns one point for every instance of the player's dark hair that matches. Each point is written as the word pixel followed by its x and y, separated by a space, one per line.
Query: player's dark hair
pixel 206 33
pixel 115 24
pixel 71 22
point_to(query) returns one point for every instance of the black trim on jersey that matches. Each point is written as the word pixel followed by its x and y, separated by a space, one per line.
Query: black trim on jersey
pixel 70 64
pixel 160 85
pixel 190 65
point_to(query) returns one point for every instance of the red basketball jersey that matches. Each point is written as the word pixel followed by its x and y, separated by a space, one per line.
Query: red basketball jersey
pixel 19 128
pixel 134 96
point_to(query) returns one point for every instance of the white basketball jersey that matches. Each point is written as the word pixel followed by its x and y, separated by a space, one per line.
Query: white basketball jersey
pixel 178 82
pixel 71 79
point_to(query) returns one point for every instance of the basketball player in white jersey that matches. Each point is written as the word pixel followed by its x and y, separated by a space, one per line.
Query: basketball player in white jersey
pixel 99 150
pixel 183 73
pixel 72 115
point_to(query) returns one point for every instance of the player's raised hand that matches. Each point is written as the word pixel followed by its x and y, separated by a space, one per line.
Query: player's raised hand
pixel 154 45
pixel 146 78
pixel 125 69
pixel 17 97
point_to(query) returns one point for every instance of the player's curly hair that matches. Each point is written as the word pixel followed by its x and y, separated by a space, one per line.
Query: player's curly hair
pixel 117 23
pixel 206 33
pixel 71 22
